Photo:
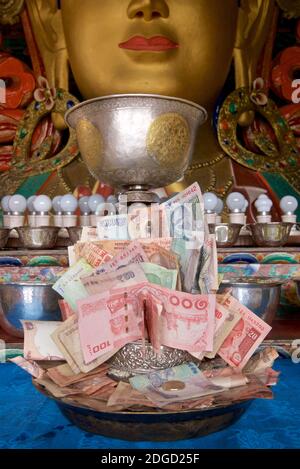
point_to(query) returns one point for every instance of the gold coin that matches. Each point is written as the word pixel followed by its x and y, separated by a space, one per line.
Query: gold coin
pixel 173 386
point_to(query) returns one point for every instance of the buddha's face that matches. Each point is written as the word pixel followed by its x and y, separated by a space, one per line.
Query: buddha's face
pixel 173 47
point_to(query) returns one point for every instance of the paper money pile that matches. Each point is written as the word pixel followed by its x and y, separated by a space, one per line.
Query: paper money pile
pixel 123 286
pixel 180 388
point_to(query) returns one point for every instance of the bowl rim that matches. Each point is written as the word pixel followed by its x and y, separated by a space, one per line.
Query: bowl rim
pixel 28 284
pixel 225 224
pixel 36 228
pixel 249 282
pixel 282 223
pixel 136 95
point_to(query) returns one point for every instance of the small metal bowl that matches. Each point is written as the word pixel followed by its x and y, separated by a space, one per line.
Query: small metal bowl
pixel 44 237
pixel 74 233
pixel 4 235
pixel 271 234
pixel 259 294
pixel 226 233
pixel 136 358
pixel 29 301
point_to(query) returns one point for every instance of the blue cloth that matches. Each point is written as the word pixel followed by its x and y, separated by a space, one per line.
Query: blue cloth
pixel 30 420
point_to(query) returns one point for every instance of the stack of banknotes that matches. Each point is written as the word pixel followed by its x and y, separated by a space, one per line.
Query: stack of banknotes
pixel 122 288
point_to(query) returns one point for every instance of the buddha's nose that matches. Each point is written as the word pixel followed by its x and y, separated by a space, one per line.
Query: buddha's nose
pixel 148 9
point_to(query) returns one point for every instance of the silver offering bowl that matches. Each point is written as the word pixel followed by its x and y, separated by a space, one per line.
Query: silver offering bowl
pixel 136 142
pixel 259 294
pixel 270 234
pixel 147 425
pixel 136 358
pixel 74 233
pixel 4 235
pixel 226 233
pixel 28 301
pixel 44 237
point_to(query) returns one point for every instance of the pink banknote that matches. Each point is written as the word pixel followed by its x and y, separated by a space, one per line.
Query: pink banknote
pixel 245 337
pixel 185 321
pixel 109 321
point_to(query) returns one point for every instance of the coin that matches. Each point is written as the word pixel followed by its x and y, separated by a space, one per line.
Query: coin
pixel 173 385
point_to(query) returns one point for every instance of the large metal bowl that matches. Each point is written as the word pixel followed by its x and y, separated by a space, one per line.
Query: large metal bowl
pixel 226 233
pixel 271 234
pixel 44 237
pixel 136 140
pixel 151 426
pixel 260 295
pixel 4 235
pixel 29 301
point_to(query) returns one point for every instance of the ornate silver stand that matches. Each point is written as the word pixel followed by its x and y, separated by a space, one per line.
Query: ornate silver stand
pixel 136 359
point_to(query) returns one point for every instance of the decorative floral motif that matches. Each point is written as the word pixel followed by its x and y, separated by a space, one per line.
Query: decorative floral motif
pixel 45 94
pixel 258 96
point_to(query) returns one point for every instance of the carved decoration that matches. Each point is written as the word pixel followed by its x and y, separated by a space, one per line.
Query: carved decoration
pixel 10 10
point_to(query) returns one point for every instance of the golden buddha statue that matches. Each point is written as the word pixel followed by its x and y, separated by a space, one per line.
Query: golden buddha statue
pixel 181 48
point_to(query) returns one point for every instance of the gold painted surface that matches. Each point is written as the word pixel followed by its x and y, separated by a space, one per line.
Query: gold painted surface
pixel 282 158
pixel 208 34
pixel 24 166
pixel 10 10
pixel 168 139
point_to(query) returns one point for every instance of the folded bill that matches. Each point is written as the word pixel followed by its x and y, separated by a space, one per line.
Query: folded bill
pixel 160 275
pixel 38 344
pixel 245 337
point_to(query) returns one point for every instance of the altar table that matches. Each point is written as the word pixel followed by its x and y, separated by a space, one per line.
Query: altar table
pixel 30 420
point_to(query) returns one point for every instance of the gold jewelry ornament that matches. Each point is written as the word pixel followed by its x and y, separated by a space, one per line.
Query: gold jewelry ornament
pixel 282 158
pixel 10 10
pixel 22 165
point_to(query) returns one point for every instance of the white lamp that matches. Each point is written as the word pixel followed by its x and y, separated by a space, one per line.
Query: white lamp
pixel 219 209
pixel 84 211
pixel 6 211
pixel 289 205
pixel 69 205
pixel 94 201
pixel 42 205
pixel 210 204
pixel 236 203
pixel 263 206
pixel 17 206
pixel 58 216
pixel 31 211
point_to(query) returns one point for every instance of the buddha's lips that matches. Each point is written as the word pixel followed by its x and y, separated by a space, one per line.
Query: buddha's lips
pixel 156 44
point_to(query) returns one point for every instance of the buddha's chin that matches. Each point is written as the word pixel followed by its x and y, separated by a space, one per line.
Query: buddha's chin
pixel 165 86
